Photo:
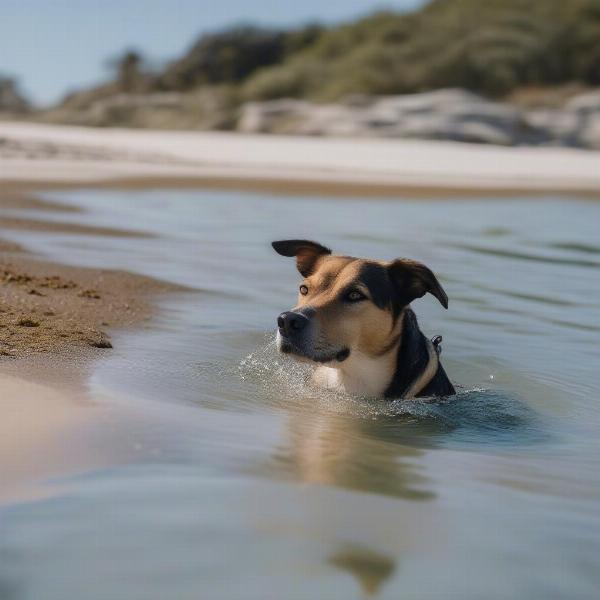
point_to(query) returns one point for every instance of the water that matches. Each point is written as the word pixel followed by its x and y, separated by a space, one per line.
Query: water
pixel 245 483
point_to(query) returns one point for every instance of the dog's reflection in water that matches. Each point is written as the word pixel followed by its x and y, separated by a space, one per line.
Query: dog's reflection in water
pixel 352 452
pixel 370 569
pixel 365 532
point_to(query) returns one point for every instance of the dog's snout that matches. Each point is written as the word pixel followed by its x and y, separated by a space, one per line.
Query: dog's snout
pixel 290 322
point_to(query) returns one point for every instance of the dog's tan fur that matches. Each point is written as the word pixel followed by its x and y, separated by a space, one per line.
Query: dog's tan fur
pixel 362 326
pixel 369 331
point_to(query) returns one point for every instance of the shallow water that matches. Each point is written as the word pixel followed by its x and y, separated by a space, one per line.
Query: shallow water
pixel 247 484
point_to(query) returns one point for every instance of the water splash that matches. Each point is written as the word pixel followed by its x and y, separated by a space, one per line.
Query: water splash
pixel 475 415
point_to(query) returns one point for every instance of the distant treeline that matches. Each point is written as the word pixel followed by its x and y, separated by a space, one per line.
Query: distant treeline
pixel 487 46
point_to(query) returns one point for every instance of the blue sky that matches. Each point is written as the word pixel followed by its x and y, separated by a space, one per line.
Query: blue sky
pixel 53 46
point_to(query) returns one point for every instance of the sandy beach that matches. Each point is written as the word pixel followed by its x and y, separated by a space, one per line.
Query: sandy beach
pixel 38 154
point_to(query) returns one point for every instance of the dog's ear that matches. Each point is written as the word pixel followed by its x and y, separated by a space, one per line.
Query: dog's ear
pixel 307 253
pixel 412 279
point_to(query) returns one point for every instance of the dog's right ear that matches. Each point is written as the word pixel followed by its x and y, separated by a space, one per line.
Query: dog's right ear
pixel 307 253
pixel 413 279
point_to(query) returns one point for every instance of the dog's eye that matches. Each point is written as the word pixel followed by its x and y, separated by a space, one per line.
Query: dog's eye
pixel 303 290
pixel 355 296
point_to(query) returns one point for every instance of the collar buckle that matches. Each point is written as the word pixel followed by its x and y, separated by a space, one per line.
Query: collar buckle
pixel 436 340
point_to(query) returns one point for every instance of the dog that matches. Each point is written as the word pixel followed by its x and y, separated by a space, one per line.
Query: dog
pixel 353 318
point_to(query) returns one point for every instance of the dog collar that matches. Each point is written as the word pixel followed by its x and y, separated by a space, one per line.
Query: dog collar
pixel 430 370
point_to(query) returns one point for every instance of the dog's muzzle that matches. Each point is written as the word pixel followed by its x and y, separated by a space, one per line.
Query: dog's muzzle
pixel 295 337
pixel 291 323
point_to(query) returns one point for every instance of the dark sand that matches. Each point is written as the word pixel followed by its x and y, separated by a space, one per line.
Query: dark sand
pixel 51 308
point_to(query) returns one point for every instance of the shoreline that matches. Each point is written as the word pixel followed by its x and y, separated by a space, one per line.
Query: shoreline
pixel 65 157
pixel 51 308
pixel 295 187
pixel 55 321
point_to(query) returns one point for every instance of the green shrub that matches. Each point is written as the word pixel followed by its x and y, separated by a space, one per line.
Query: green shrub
pixel 489 47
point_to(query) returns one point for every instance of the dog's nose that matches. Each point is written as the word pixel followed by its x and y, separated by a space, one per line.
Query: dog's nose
pixel 290 322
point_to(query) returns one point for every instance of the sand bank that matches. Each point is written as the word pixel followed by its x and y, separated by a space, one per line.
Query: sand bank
pixel 45 307
pixel 33 153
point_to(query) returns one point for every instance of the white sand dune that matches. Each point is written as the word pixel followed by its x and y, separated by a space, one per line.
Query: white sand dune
pixel 51 153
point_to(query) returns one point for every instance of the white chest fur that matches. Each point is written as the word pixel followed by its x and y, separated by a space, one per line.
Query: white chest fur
pixel 359 374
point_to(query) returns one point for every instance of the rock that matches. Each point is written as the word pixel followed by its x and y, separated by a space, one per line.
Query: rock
pixel 589 135
pixel 101 343
pixel 556 126
pixel 268 117
pixel 331 120
pixel 98 339
pixel 586 103
pixel 427 102
pixel 467 131
pixel 444 114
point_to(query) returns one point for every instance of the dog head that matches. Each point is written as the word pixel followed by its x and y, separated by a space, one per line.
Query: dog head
pixel 348 304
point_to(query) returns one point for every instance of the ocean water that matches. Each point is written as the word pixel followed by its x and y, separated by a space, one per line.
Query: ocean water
pixel 245 483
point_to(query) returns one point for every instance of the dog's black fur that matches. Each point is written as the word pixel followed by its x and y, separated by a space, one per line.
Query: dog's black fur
pixel 413 356
pixel 412 360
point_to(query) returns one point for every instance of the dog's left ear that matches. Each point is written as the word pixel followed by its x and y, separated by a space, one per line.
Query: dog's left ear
pixel 412 279
pixel 307 253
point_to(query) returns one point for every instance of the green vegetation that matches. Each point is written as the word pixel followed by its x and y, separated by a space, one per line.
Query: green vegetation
pixel 490 47
pixel 233 55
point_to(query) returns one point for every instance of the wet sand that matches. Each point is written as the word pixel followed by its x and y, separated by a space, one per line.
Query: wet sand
pixel 54 320
pixel 34 418
pixel 50 308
